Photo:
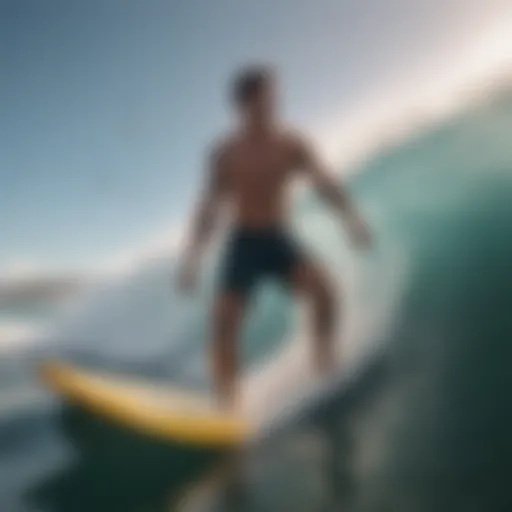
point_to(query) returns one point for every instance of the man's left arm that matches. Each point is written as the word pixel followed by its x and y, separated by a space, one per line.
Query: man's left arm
pixel 333 192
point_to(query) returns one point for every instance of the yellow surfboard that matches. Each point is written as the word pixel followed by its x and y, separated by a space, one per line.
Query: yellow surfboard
pixel 175 416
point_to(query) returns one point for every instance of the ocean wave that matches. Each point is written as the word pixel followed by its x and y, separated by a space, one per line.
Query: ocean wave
pixel 17 334
pixel 432 202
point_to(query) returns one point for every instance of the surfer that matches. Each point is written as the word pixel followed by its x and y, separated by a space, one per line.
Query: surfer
pixel 251 171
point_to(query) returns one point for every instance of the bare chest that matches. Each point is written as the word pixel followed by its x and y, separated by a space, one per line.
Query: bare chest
pixel 260 167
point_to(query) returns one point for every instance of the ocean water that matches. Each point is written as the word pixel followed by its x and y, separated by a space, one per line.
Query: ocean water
pixel 431 433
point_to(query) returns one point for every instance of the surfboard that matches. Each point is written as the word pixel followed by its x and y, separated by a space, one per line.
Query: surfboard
pixel 172 415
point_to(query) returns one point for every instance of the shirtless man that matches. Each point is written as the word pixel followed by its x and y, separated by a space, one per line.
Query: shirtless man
pixel 252 170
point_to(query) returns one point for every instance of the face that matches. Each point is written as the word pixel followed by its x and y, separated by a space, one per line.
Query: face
pixel 262 106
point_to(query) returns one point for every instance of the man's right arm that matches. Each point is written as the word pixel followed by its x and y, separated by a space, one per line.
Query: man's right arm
pixel 206 214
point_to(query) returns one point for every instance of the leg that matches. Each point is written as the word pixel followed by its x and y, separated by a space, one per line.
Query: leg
pixel 311 281
pixel 229 312
pixel 228 316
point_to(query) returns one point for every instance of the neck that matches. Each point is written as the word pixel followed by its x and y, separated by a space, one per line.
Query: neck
pixel 258 127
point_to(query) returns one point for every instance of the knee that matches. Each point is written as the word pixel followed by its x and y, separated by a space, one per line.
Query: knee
pixel 226 319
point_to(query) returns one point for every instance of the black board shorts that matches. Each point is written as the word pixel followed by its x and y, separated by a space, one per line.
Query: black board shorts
pixel 255 255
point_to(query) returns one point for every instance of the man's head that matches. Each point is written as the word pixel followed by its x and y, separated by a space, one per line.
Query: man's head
pixel 253 93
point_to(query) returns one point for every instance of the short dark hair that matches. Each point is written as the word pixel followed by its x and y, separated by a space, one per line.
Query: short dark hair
pixel 249 82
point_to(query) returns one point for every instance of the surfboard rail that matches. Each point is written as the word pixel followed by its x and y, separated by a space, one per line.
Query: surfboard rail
pixel 165 418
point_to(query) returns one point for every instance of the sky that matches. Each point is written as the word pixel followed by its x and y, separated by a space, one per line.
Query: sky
pixel 108 105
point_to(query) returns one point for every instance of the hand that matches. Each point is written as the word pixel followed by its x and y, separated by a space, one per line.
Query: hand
pixel 359 232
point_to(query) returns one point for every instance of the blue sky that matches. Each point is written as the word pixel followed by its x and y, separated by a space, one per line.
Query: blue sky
pixel 107 105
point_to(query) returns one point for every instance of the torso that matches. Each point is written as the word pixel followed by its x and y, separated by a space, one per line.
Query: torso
pixel 257 174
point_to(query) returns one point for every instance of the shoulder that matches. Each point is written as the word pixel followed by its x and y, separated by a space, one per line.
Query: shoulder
pixel 220 150
pixel 297 144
